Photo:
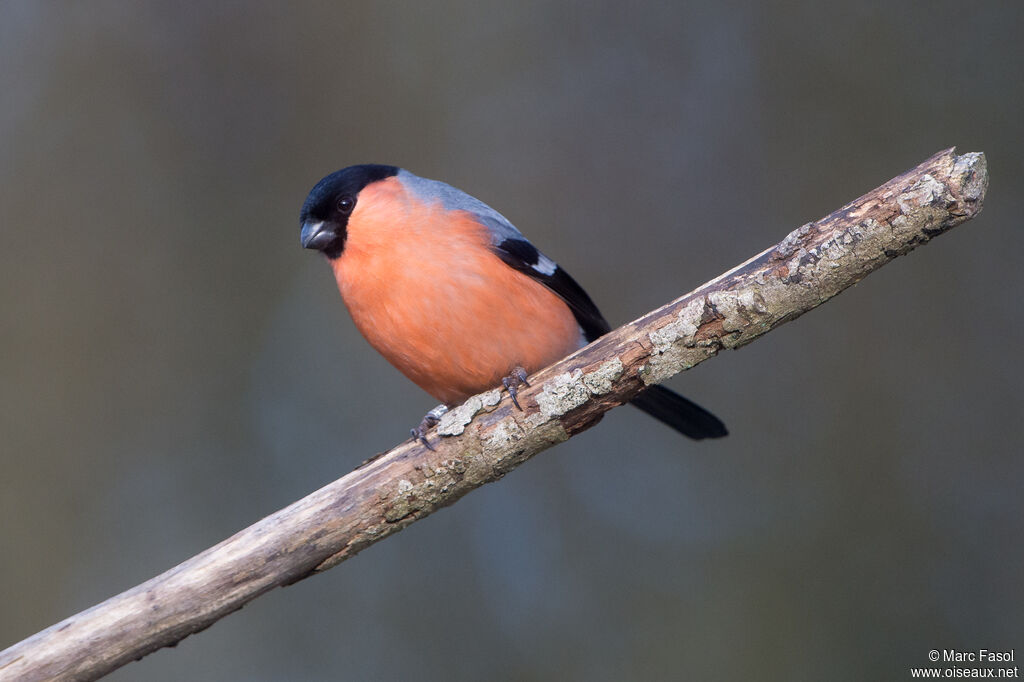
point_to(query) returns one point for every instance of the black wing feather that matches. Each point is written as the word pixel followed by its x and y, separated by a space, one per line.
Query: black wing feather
pixel 521 255
pixel 668 407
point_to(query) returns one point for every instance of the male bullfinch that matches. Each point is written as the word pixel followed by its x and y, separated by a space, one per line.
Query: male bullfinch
pixel 452 294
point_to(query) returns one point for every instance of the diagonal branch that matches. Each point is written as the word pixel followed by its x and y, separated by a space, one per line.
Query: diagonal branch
pixel 485 438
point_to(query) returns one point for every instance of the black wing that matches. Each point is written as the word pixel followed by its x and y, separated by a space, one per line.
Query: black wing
pixel 523 256
pixel 683 415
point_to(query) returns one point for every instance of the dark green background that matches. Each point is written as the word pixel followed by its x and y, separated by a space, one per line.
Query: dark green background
pixel 175 367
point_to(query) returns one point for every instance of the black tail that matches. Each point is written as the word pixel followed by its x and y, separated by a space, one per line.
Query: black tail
pixel 686 417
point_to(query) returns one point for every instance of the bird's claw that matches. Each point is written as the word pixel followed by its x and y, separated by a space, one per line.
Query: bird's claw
pixel 430 420
pixel 512 383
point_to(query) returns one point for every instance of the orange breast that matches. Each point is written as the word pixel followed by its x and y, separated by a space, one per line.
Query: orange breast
pixel 425 289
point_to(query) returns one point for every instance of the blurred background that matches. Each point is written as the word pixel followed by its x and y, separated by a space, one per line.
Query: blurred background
pixel 175 366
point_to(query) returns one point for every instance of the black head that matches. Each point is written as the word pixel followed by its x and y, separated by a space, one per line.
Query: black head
pixel 324 217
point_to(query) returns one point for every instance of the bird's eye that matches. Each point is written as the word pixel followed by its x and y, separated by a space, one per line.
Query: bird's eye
pixel 346 204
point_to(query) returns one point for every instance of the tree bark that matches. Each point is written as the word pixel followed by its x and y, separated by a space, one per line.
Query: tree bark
pixel 481 440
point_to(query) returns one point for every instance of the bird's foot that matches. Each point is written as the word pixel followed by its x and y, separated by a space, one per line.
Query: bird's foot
pixel 512 383
pixel 430 419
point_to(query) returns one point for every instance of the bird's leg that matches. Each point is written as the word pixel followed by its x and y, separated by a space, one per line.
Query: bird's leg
pixel 430 419
pixel 512 383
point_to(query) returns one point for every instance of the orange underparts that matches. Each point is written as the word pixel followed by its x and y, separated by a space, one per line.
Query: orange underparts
pixel 425 289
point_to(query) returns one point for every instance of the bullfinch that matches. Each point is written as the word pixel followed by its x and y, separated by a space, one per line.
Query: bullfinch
pixel 453 295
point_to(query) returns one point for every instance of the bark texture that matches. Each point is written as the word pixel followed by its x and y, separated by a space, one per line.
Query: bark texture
pixel 486 437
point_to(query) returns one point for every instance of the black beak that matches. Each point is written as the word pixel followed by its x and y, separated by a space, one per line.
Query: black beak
pixel 317 234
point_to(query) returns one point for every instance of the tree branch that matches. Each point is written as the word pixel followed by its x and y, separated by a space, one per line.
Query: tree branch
pixel 486 437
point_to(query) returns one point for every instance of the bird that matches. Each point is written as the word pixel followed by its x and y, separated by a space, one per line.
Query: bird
pixel 453 295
